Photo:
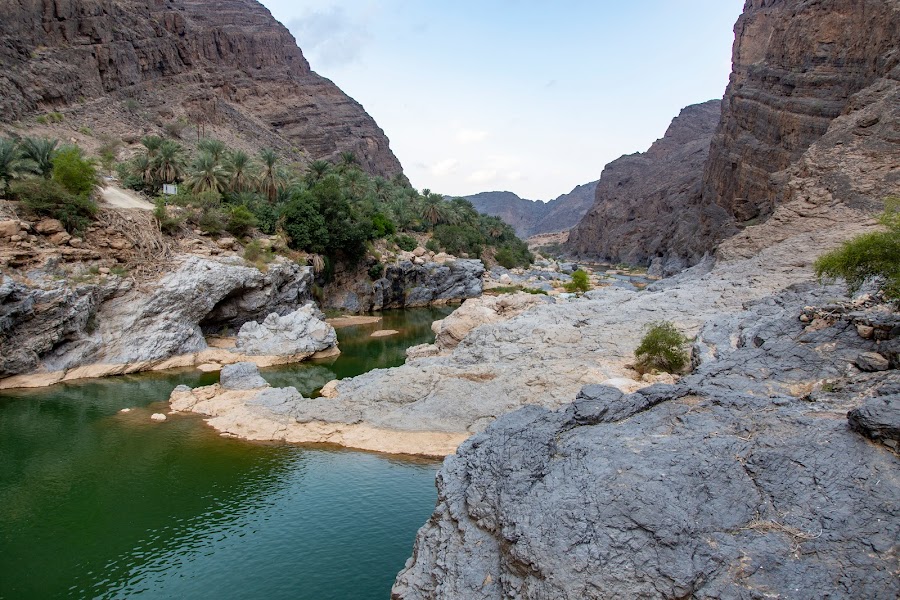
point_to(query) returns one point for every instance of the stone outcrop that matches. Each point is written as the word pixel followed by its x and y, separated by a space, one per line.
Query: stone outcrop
pixel 451 330
pixel 744 476
pixel 58 327
pixel 302 332
pixel 647 207
pixel 532 217
pixel 406 285
pixel 226 68
pixel 797 66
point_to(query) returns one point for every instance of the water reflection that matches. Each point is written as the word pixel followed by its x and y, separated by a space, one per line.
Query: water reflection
pixel 99 503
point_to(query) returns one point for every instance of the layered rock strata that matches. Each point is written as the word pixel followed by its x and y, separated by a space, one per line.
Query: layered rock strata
pixel 647 206
pixel 797 66
pixel 225 68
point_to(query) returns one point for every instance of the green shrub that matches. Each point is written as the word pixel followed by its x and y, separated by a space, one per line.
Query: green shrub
pixel 871 257
pixel 433 246
pixel 74 172
pixel 304 224
pixel 167 223
pixel 579 283
pixel 211 220
pixel 48 197
pixel 376 271
pixel 382 226
pixel 661 348
pixel 240 220
pixel 256 254
pixel 406 242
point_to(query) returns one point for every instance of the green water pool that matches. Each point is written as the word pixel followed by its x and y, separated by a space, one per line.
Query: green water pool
pixel 95 503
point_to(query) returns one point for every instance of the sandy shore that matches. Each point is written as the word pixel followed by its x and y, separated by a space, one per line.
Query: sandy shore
pixel 349 321
pixel 229 413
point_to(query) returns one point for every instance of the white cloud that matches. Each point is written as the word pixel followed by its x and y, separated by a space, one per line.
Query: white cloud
pixel 444 167
pixel 470 136
pixel 514 176
pixel 330 37
pixel 482 176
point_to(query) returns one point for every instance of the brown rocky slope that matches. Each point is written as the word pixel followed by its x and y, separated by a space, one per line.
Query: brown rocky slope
pixel 130 67
pixel 647 204
pixel 796 67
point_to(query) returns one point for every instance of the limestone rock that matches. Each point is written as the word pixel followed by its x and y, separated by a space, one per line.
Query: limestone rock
pixel 786 88
pixel 112 323
pixel 660 493
pixel 241 376
pixel 159 417
pixel 303 331
pixel 9 228
pixel 480 311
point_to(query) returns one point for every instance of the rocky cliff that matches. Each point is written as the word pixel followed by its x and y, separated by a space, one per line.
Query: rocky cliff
pixel 647 206
pixel 796 67
pixel 227 68
pixel 530 217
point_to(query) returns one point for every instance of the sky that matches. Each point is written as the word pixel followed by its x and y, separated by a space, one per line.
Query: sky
pixel 529 96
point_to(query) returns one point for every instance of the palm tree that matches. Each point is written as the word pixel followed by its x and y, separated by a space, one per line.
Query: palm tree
pixel 214 148
pixel 40 151
pixel 271 178
pixel 316 170
pixel 169 162
pixel 240 170
pixel 348 160
pixel 12 164
pixel 152 144
pixel 144 169
pixel 435 209
pixel 207 175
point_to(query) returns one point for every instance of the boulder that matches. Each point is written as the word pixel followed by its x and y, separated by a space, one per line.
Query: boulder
pixel 241 376
pixel 159 417
pixel 878 419
pixel 9 228
pixel 303 331
pixel 872 361
pixel 49 226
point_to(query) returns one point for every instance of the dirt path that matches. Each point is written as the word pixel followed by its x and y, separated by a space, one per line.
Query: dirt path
pixel 116 196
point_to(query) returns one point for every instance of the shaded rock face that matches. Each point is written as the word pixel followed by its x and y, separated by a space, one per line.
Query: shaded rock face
pixel 226 65
pixel 647 206
pixel 531 217
pixel 796 66
pixel 407 285
pixel 724 484
pixel 61 327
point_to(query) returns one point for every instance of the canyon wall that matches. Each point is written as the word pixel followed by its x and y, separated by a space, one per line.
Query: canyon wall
pixel 532 217
pixel 647 205
pixel 796 66
pixel 131 67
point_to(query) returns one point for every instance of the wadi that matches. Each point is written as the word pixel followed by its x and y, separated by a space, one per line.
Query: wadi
pixel 241 355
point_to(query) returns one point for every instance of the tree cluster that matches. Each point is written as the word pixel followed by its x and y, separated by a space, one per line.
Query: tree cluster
pixel 326 208
pixel 49 180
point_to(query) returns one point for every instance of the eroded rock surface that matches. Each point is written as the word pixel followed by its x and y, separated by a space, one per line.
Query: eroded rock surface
pixel 742 477
pixel 407 285
pixel 56 326
pixel 303 331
